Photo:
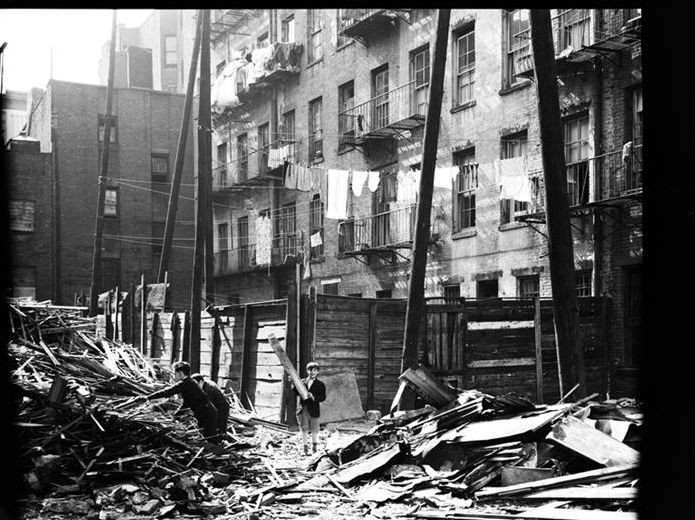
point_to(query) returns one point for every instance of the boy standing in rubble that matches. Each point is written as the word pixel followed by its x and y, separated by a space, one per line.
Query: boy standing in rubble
pixel 193 398
pixel 218 399
pixel 309 414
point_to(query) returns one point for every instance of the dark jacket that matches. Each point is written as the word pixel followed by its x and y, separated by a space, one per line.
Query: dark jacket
pixel 216 396
pixel 318 390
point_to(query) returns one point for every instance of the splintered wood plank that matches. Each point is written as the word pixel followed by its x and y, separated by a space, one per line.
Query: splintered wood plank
pixel 587 493
pixel 592 443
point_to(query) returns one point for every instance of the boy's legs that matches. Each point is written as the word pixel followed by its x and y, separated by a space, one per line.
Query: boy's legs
pixel 314 423
pixel 304 427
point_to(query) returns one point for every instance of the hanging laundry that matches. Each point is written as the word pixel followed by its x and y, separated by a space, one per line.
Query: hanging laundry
pixel 627 151
pixel 444 176
pixel 307 261
pixel 373 182
pixel 291 178
pixel 263 240
pixel 274 158
pixel 408 185
pixel 318 181
pixel 514 179
pixel 315 239
pixel 304 178
pixel 358 180
pixel 336 199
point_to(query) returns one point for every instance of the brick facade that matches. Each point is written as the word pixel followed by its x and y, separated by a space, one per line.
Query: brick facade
pixel 147 123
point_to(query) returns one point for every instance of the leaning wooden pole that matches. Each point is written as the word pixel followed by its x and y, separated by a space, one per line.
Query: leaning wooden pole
pixel 170 223
pixel 557 206
pixel 103 172
pixel 199 250
pixel 416 289
pixel 205 153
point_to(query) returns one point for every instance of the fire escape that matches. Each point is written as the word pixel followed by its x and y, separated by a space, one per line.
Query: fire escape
pixel 363 24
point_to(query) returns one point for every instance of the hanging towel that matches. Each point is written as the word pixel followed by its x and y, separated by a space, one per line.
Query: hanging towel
pixel 304 178
pixel 307 261
pixel 263 240
pixel 444 176
pixel 407 186
pixel 388 191
pixel 291 177
pixel 373 181
pixel 514 179
pixel 336 200
pixel 358 180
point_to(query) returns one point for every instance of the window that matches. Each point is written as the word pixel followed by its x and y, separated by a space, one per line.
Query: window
pixel 22 215
pixel 287 134
pixel 575 27
pixel 262 40
pixel 513 145
pixel 487 289
pixel 583 282
pixel 465 187
pixel 380 98
pixel 287 30
pixel 170 50
pixel 316 224
pixel 528 286
pixel 221 168
pixel 634 131
pixel 384 293
pixel 576 138
pixel 244 247
pixel 263 147
pixel 222 256
pixel 160 167
pixel 420 78
pixel 111 202
pixel 314 26
pixel 242 151
pixel 346 101
pixel 315 132
pixel 341 40
pixel 518 44
pixel 113 138
pixel 465 67
pixel 24 282
pixel 452 293
pixel 286 225
pixel 330 288
pixel 355 294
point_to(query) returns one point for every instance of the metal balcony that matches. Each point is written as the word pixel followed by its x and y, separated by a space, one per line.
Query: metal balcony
pixel 224 20
pixel 385 231
pixel 383 117
pixel 244 258
pixel 362 23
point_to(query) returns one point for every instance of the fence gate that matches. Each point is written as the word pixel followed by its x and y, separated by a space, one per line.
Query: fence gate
pixel 445 337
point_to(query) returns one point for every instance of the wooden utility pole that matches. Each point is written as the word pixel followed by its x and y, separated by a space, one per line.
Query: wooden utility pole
pixel 416 289
pixel 99 221
pixel 178 161
pixel 201 195
pixel 557 206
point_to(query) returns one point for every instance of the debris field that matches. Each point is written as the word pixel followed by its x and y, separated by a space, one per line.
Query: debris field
pixel 91 449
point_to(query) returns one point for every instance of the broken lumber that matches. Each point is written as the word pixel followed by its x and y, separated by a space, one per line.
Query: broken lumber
pixel 288 366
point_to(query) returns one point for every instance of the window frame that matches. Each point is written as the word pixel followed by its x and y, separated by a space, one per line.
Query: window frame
pixel 242 150
pixel 101 129
pixel 508 210
pixel 159 176
pixel 480 283
pixel 115 205
pixel 316 225
pixel 464 190
pixel 511 52
pixel 583 282
pixel 314 36
pixel 346 124
pixel 14 208
pixel 170 53
pixel 468 70
pixel 315 128
pixel 263 146
pixel 287 29
pixel 521 291
pixel 578 171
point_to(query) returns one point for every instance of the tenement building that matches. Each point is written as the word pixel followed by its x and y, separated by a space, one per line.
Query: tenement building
pixel 317 145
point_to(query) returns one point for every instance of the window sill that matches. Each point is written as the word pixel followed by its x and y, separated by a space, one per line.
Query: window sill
pixel 318 260
pixel 344 46
pixel 464 233
pixel 513 88
pixel 511 225
pixel 315 62
pixel 345 150
pixel 316 161
pixel 459 108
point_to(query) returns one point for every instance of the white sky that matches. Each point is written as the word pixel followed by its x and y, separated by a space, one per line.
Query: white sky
pixel 76 36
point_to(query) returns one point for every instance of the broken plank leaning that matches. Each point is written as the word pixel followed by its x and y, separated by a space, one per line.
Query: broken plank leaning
pixel 288 366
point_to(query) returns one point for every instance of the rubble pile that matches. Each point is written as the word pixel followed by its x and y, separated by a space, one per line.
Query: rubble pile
pixel 91 449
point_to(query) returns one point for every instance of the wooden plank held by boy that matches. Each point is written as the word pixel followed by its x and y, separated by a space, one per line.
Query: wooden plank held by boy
pixel 288 366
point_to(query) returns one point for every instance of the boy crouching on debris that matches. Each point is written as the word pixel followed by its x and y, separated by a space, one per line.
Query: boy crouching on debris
pixel 193 398
pixel 310 412
pixel 218 399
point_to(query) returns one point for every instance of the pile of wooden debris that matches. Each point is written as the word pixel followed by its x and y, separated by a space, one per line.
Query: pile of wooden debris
pixel 90 449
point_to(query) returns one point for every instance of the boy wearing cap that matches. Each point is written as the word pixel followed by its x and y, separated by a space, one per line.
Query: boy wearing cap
pixel 310 412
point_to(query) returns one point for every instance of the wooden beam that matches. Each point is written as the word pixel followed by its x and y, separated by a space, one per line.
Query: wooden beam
pixel 288 366
pixel 539 350
pixel 371 354
pixel 216 344
pixel 244 375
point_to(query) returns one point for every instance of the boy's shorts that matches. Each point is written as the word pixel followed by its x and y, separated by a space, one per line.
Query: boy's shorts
pixel 306 422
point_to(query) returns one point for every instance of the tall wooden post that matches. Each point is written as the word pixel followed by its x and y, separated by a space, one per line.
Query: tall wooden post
pixel 178 161
pixel 104 169
pixel 204 169
pixel 416 289
pixel 143 315
pixel 557 207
